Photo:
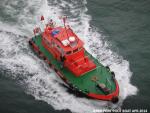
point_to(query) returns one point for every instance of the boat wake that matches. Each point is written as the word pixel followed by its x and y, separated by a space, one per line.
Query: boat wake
pixel 19 62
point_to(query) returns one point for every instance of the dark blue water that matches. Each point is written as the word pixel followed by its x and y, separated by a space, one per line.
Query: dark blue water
pixel 127 25
pixel 117 32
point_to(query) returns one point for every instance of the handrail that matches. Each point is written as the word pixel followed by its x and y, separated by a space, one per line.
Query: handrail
pixel 80 59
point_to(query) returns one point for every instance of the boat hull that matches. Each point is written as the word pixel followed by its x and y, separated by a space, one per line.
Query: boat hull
pixel 74 84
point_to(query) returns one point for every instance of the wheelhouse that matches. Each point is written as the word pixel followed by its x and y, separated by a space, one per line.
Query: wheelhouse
pixel 63 43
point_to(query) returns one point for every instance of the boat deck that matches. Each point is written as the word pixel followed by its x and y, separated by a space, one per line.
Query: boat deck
pixel 85 82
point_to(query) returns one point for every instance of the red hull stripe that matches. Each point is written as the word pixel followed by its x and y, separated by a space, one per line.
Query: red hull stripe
pixel 106 97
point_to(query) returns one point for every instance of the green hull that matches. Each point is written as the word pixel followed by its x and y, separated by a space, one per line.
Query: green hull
pixel 84 83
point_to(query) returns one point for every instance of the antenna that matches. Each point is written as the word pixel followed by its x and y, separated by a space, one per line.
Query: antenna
pixel 64 21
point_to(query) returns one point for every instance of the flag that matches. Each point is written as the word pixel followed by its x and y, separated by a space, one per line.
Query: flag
pixel 64 19
pixel 42 18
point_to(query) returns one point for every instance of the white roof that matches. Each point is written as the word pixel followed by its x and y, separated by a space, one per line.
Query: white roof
pixel 71 38
pixel 65 42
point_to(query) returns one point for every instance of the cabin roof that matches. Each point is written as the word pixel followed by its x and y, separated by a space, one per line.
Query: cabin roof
pixel 59 34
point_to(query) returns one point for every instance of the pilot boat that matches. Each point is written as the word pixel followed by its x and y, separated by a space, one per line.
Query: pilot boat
pixel 64 52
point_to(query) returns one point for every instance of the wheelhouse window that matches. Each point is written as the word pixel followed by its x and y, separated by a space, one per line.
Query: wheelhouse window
pixel 58 46
pixel 68 52
pixel 75 50
pixel 80 48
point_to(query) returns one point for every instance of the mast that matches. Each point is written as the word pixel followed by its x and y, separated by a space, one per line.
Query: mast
pixel 64 21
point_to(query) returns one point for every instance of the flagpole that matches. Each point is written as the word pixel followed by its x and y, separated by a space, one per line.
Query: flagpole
pixel 64 21
pixel 42 23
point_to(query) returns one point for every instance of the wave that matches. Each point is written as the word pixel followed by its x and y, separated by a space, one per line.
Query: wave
pixel 17 59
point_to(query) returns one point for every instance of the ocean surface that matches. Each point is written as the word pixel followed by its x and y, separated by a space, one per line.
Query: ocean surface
pixel 116 32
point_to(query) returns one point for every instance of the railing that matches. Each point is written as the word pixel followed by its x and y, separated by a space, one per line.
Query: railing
pixel 80 61
pixel 107 81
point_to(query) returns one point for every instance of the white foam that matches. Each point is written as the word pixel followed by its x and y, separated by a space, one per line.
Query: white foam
pixel 42 82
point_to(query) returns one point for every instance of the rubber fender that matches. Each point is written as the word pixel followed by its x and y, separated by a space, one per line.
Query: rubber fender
pixel 113 74
pixel 108 67
pixel 115 99
pixel 30 43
